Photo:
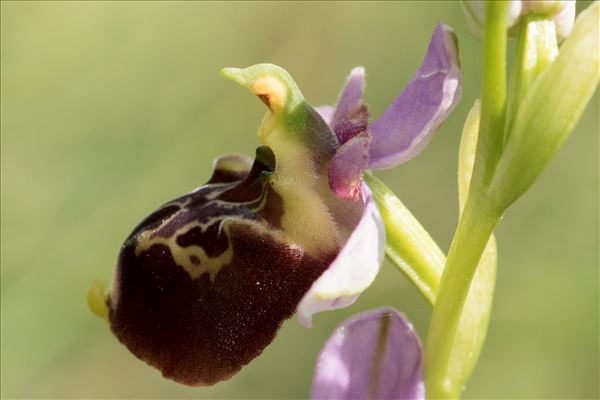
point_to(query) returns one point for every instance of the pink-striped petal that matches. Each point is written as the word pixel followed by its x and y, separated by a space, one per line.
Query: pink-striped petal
pixel 373 355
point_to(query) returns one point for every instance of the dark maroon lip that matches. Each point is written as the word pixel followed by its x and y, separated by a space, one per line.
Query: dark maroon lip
pixel 198 329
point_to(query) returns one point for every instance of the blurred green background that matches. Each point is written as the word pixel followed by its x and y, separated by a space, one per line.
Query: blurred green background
pixel 110 109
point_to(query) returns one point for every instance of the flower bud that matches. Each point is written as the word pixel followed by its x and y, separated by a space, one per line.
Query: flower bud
pixel 474 12
pixel 564 20
pixel 562 13
pixel 545 7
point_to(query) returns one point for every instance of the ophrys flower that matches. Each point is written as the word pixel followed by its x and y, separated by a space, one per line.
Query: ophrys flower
pixel 203 284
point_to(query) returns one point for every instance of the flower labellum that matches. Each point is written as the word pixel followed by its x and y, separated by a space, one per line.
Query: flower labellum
pixel 373 355
pixel 203 284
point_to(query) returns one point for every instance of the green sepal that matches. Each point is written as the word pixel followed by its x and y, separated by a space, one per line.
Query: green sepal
pixel 294 131
pixel 247 77
pixel 409 246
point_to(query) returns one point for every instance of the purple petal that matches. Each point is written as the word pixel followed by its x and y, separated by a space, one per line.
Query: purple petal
pixel 353 270
pixel 326 112
pixel 351 116
pixel 347 166
pixel 373 355
pixel 409 123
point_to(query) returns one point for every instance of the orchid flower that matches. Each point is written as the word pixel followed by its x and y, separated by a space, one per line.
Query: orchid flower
pixel 203 283
pixel 373 355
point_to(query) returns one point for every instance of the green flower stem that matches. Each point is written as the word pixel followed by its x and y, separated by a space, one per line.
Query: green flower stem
pixel 408 245
pixel 474 230
pixel 477 222
pixel 413 251
pixel 474 318
pixel 493 102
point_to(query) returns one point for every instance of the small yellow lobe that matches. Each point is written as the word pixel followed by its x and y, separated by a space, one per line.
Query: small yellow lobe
pixel 271 91
pixel 96 299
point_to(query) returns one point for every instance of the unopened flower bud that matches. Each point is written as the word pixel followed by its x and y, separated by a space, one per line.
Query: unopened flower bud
pixel 561 11
pixel 475 15
pixel 545 7
pixel 564 20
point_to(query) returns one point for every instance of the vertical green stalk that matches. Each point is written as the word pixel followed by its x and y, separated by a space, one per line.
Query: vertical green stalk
pixel 549 92
pixel 472 235
pixel 479 217
pixel 493 100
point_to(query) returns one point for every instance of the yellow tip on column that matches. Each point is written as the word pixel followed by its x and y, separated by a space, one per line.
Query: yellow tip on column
pixel 96 299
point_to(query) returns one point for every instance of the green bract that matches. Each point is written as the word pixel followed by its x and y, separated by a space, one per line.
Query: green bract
pixel 550 110
pixel 517 134
pixel 409 246
pixel 478 306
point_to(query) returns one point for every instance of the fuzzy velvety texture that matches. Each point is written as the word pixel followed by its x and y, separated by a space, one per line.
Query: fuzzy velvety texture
pixel 205 282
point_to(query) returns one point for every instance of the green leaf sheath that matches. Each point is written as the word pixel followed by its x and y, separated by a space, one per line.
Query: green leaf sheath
pixel 537 47
pixel 470 241
pixel 472 328
pixel 409 246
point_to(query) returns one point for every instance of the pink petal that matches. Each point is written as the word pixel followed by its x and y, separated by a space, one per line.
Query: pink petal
pixel 409 123
pixel 347 166
pixel 373 355
pixel 326 112
pixel 351 116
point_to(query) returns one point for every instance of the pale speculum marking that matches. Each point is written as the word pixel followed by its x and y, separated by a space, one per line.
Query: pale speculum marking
pixel 198 234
